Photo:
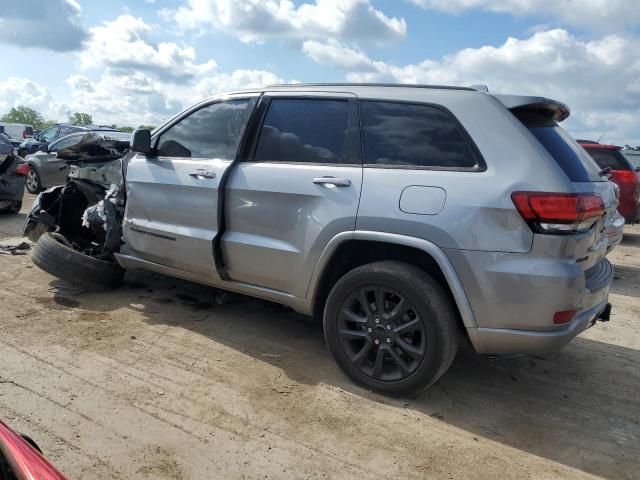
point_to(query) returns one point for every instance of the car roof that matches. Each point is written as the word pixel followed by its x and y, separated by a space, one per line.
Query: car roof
pixel 549 107
pixel 86 127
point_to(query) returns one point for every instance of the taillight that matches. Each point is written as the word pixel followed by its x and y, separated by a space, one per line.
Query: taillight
pixel 559 213
pixel 22 169
pixel 624 176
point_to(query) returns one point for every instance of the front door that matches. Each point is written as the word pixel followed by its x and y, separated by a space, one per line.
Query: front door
pixel 299 188
pixel 172 195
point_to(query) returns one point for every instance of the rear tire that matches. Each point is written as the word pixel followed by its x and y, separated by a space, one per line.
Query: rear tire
pixel 391 327
pixel 33 183
pixel 74 267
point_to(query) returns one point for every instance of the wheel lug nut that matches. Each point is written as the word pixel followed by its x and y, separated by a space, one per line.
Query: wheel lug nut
pixel 377 320
pixel 376 341
pixel 369 329
pixel 388 340
pixel 388 327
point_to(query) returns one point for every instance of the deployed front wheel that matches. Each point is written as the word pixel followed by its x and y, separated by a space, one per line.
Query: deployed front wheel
pixel 391 327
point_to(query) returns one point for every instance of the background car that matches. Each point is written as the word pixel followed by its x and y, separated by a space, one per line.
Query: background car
pixel 13 172
pixel 622 173
pixel 20 458
pixel 634 157
pixel 17 131
pixel 4 138
pixel 47 170
pixel 55 132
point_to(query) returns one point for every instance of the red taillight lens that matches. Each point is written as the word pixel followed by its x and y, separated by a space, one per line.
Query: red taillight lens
pixel 624 176
pixel 560 318
pixel 22 169
pixel 559 212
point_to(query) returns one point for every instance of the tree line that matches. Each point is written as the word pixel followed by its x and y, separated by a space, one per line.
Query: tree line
pixel 29 116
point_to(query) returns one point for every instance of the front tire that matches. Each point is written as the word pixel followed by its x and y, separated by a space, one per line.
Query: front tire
pixel 52 256
pixel 33 183
pixel 391 327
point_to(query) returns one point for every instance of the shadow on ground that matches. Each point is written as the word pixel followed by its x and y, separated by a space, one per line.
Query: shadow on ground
pixel 579 407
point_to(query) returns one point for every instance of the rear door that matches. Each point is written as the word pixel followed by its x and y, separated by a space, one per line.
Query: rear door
pixel 298 188
pixel 172 194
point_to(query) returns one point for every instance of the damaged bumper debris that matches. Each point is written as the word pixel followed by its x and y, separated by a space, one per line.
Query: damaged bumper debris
pixel 88 211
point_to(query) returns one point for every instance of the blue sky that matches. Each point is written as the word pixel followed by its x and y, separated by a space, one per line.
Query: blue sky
pixel 139 61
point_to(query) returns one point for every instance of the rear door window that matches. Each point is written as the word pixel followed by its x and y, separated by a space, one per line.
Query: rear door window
pixel 609 158
pixel 304 130
pixel 567 153
pixel 414 135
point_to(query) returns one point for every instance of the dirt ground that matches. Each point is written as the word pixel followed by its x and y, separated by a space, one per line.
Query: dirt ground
pixel 157 381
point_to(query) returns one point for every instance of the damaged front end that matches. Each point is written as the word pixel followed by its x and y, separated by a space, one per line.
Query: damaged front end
pixel 87 212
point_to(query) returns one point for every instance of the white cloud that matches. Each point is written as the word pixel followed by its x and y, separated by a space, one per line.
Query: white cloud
pixel 257 20
pixel 16 91
pixel 47 24
pixel 236 80
pixel 125 44
pixel 334 53
pixel 607 15
pixel 599 79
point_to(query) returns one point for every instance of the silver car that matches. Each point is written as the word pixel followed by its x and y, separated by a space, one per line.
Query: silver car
pixel 405 217
pixel 47 170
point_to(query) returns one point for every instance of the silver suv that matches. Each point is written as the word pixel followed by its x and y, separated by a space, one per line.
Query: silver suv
pixel 406 217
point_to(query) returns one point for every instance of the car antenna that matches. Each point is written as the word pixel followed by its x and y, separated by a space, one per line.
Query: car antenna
pixel 600 137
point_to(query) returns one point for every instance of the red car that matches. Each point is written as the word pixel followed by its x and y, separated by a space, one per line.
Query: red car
pixel 622 173
pixel 20 458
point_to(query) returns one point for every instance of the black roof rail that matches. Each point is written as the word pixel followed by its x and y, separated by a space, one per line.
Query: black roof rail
pixel 346 84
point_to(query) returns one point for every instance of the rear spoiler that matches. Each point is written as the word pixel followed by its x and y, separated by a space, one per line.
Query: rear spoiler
pixel 558 111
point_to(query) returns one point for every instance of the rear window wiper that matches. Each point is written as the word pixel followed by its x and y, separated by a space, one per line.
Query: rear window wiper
pixel 605 171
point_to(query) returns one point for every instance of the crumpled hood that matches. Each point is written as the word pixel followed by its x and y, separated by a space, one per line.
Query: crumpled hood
pixel 94 148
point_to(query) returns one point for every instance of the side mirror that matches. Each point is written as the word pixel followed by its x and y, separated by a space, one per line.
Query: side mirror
pixel 141 141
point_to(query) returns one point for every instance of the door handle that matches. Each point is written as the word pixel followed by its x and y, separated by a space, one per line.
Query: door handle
pixel 338 182
pixel 202 174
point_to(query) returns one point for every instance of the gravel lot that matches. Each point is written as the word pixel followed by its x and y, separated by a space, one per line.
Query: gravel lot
pixel 157 381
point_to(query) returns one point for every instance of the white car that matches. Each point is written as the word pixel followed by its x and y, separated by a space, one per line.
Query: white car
pixel 17 131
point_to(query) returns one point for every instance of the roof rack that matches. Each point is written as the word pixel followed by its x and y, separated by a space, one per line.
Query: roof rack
pixel 346 84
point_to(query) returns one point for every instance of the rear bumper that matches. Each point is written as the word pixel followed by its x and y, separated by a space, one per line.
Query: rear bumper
pixel 514 298
pixel 12 187
pixel 504 341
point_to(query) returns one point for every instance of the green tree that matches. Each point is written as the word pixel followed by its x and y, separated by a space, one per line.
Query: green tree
pixel 24 114
pixel 126 129
pixel 148 127
pixel 79 118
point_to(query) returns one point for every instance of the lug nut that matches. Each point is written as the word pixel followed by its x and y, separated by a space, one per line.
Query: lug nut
pixel 369 329
pixel 389 327
pixel 376 341
pixel 388 340
pixel 377 320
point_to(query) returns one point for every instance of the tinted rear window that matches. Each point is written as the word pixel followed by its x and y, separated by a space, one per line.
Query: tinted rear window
pixel 304 130
pixel 413 135
pixel 570 156
pixel 607 158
